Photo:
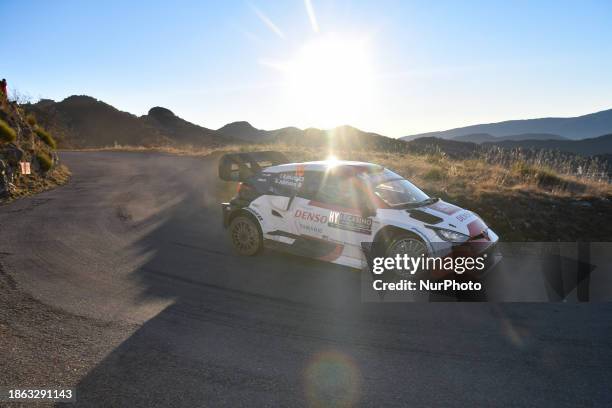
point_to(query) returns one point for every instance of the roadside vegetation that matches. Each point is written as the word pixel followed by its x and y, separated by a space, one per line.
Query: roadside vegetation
pixel 45 137
pixel 23 141
pixel 44 161
pixel 7 134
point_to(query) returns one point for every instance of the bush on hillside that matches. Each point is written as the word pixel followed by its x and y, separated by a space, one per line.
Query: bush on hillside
pixel 45 137
pixel 539 175
pixel 7 134
pixel 31 119
pixel 434 174
pixel 44 161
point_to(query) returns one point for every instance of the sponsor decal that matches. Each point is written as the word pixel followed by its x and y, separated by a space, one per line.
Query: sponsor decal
pixel 255 213
pixel 310 216
pixel 464 216
pixel 286 179
pixel 313 229
pixel 350 222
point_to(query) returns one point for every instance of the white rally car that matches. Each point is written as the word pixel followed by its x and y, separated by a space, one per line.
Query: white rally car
pixel 342 212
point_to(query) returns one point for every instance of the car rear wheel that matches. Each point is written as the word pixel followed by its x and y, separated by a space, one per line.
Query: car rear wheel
pixel 406 244
pixel 245 235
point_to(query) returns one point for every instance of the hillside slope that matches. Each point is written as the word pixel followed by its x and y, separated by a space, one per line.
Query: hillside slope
pixel 25 143
pixel 580 127
pixel 485 137
pixel 585 147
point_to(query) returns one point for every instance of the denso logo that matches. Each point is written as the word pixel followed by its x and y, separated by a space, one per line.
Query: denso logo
pixel 310 216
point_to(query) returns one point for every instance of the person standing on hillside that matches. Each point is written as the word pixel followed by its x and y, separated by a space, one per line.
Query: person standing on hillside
pixel 3 90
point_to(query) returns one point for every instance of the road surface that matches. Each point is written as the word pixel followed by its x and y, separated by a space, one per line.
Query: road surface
pixel 122 284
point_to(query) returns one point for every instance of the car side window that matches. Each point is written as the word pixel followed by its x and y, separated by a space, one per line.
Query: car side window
pixel 341 191
pixel 311 185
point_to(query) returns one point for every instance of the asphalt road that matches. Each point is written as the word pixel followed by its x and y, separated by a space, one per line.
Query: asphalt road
pixel 132 253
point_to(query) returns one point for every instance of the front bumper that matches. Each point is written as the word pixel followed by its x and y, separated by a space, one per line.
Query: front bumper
pixel 484 247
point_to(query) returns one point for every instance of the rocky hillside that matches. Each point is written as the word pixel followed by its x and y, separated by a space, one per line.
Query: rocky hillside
pixel 26 147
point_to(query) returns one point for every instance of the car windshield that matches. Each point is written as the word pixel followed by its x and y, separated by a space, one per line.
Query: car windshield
pixel 400 192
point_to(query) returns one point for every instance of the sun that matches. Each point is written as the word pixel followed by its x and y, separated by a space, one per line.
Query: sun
pixel 329 81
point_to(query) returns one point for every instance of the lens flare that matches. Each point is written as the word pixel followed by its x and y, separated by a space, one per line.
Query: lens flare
pixel 332 379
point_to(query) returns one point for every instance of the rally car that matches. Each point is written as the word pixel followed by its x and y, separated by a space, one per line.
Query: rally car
pixel 343 212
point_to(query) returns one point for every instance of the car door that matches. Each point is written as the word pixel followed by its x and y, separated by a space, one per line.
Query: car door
pixel 331 209
pixel 309 220
pixel 281 193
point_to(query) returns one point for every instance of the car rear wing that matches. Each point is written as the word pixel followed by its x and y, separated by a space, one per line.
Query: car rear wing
pixel 242 166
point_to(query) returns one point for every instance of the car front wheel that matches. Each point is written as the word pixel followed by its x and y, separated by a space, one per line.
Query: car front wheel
pixel 406 244
pixel 245 235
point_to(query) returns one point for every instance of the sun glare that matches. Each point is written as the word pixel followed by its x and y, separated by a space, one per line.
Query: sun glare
pixel 331 160
pixel 330 81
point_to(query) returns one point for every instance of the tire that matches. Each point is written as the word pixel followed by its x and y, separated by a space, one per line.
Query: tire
pixel 245 235
pixel 405 243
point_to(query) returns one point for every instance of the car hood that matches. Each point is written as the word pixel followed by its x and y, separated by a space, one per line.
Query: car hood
pixel 449 216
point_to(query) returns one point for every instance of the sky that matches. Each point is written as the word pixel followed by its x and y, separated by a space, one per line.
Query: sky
pixel 392 67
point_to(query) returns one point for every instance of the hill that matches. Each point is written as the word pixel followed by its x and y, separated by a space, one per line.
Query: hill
pixel 246 132
pixel 586 147
pixel 485 137
pixel 85 122
pixel 580 127
pixel 341 137
pixel 180 131
pixel 82 121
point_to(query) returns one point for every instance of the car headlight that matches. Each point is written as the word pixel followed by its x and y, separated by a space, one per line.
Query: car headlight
pixel 451 236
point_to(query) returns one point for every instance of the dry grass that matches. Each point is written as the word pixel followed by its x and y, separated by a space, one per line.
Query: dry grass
pixel 45 137
pixel 7 133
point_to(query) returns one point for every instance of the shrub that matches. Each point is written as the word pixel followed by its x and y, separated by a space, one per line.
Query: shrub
pixel 7 134
pixel 31 119
pixel 434 174
pixel 539 175
pixel 45 137
pixel 44 161
pixel 547 177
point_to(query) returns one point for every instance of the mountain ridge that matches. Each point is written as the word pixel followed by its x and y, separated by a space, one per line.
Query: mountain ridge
pixel 575 128
pixel 81 121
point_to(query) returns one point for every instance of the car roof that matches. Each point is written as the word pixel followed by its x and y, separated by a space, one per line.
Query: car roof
pixel 323 165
